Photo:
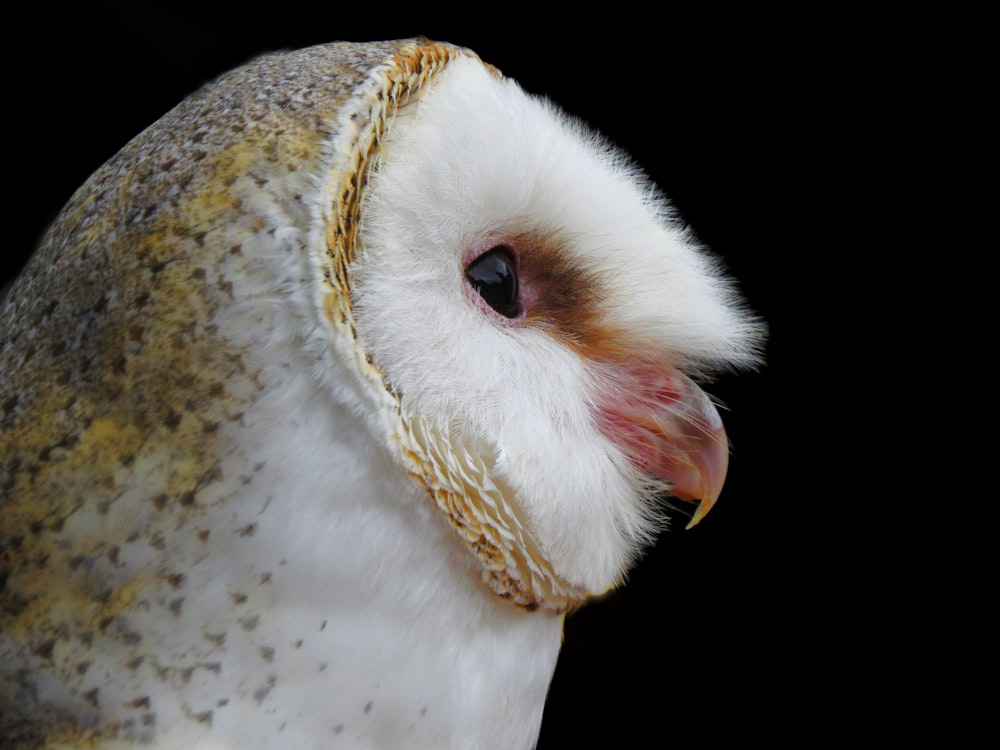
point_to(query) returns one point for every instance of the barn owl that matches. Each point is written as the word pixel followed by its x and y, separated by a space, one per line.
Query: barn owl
pixel 327 397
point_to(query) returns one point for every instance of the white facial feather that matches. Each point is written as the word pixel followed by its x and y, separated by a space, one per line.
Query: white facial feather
pixel 473 162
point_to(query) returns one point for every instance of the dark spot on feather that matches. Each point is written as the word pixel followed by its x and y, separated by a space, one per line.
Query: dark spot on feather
pixel 175 606
pixel 10 405
pixel 237 597
pixel 142 702
pixel 266 653
pixel 91 696
pixel 44 649
pixel 262 692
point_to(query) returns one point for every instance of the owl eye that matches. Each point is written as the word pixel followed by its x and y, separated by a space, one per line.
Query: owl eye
pixel 494 276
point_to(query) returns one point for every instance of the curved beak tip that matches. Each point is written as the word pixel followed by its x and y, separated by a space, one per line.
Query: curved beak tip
pixel 700 512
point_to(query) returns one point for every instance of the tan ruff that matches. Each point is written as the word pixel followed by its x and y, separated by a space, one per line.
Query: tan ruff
pixel 459 479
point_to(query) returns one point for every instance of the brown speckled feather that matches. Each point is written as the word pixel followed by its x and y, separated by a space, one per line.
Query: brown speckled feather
pixel 112 366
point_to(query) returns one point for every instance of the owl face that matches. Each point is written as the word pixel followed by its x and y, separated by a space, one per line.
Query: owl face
pixel 526 293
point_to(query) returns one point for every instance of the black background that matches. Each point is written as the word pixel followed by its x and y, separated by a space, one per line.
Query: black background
pixel 785 620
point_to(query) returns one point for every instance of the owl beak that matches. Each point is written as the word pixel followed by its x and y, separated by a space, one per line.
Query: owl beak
pixel 672 430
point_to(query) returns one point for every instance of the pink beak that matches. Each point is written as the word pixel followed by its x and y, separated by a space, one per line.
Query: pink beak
pixel 666 425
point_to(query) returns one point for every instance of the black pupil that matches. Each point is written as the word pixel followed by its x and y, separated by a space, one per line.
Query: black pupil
pixel 492 274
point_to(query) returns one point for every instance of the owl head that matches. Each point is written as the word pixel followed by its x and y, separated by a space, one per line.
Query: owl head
pixel 530 318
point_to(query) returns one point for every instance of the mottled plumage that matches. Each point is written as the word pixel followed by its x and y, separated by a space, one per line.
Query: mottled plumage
pixel 249 394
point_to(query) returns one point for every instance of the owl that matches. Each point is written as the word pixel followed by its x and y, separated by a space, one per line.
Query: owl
pixel 327 397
